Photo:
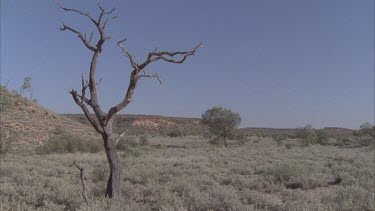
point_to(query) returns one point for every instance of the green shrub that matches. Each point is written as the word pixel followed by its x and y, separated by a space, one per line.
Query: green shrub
pixel 307 135
pixel 125 142
pixel 278 138
pixel 143 140
pixel 218 141
pixel 131 152
pixel 6 140
pixel 289 146
pixel 69 143
pixel 5 103
pixel 322 137
pixel 206 135
pixel 177 132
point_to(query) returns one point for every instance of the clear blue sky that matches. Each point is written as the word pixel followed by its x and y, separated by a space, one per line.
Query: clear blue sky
pixel 278 63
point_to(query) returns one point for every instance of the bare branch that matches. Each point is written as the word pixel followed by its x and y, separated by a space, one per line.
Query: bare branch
pixel 92 33
pixel 83 91
pixel 103 12
pixel 82 176
pixel 93 121
pixel 120 136
pixel 128 54
pixel 76 11
pixel 144 75
pixel 79 34
pixel 154 56
pixel 105 23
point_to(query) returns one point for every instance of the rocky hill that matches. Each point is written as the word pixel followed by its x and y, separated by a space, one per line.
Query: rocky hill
pixel 31 124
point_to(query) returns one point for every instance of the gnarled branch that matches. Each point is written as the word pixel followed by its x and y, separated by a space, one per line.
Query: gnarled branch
pixel 154 56
pixel 79 34
pixel 85 110
pixel 128 54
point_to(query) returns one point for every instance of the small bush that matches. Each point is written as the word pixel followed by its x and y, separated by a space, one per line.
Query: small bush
pixel 5 103
pixel 125 142
pixel 207 135
pixel 307 135
pixel 69 143
pixel 289 146
pixel 131 152
pixel 278 138
pixel 218 141
pixel 322 137
pixel 177 132
pixel 6 140
pixel 143 140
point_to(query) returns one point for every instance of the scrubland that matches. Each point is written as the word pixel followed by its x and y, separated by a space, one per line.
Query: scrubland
pixel 190 174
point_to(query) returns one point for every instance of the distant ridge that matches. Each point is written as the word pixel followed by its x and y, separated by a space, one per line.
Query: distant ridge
pixel 149 123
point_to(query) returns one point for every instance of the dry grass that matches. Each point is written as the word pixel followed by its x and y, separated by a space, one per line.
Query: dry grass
pixel 189 174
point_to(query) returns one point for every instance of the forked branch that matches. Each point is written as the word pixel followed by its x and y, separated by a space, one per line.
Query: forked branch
pixel 139 72
pixel 77 99
pixel 79 34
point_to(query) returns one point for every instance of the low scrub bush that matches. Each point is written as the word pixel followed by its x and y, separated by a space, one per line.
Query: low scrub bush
pixel 177 132
pixel 218 141
pixel 131 152
pixel 307 135
pixel 126 142
pixel 143 140
pixel 322 137
pixel 69 143
pixel 5 103
pixel 279 138
pixel 6 140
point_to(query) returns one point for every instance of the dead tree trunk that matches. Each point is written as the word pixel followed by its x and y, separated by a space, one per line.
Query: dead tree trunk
pixel 101 121
pixel 115 165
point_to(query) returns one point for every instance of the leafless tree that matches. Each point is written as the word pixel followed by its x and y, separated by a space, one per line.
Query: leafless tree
pixel 100 120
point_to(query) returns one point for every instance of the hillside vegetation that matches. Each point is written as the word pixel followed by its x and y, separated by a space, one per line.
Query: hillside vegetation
pixel 31 125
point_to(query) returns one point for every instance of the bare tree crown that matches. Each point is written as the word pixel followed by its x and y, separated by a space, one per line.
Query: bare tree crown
pixel 101 118
pixel 101 121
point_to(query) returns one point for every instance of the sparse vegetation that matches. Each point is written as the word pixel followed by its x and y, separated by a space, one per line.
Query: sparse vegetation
pixel 6 140
pixel 192 175
pixel 177 132
pixel 279 138
pixel 322 137
pixel 143 140
pixel 5 103
pixel 307 135
pixel 126 142
pixel 69 143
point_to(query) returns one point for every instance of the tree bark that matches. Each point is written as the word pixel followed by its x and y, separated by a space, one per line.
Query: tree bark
pixel 115 167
